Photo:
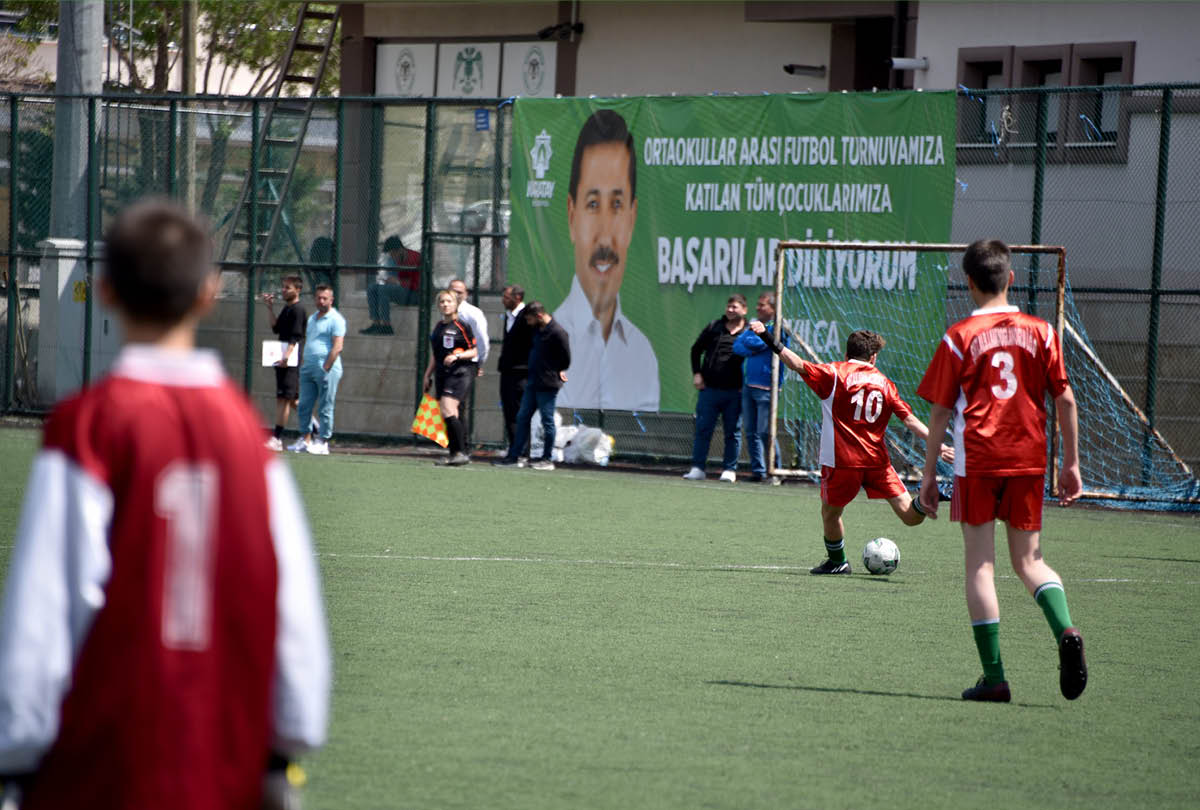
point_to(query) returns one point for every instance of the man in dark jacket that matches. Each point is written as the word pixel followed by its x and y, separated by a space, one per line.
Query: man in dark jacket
pixel 549 359
pixel 717 374
pixel 514 356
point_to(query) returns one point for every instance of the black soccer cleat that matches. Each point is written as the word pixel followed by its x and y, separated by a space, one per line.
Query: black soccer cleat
pixel 988 692
pixel 831 567
pixel 1072 668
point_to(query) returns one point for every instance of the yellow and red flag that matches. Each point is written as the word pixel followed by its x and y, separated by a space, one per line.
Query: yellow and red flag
pixel 429 423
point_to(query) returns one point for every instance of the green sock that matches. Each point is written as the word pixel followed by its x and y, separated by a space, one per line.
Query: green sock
pixel 1052 599
pixel 836 549
pixel 987 641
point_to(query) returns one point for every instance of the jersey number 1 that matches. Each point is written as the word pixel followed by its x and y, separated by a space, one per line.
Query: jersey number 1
pixel 185 496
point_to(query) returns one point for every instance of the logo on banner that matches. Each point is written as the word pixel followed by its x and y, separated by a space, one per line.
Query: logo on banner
pixel 533 73
pixel 540 190
pixel 468 70
pixel 406 72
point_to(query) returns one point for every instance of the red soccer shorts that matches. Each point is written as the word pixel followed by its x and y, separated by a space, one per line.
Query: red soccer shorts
pixel 1016 499
pixel 839 486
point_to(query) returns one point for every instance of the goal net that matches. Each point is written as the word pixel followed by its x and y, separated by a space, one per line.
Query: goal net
pixel 909 293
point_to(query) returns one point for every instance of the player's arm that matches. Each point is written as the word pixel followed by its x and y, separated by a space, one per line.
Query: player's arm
pixel 939 420
pixel 269 300
pixel 1070 483
pixel 945 451
pixel 59 567
pixel 786 356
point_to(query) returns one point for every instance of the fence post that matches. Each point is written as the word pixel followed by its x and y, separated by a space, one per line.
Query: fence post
pixel 14 300
pixel 426 285
pixel 1156 260
pixel 251 250
pixel 339 180
pixel 172 158
pixel 1039 188
pixel 91 215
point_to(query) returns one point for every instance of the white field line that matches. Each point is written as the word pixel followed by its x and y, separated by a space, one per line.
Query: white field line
pixel 682 566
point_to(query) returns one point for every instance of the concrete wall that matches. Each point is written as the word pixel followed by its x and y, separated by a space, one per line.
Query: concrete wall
pixel 1164 34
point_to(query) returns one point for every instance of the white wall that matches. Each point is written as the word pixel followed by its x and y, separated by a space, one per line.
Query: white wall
pixel 637 48
pixel 693 48
pixel 1164 34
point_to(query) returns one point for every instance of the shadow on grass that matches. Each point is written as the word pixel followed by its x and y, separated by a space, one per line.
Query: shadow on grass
pixel 848 691
pixel 1151 559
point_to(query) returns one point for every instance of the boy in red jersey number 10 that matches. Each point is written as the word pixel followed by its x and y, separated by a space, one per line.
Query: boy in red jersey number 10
pixel 162 640
pixel 857 400
pixel 989 378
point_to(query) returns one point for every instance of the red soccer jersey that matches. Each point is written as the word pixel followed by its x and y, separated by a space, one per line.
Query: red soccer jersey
pixel 166 532
pixel 856 402
pixel 994 369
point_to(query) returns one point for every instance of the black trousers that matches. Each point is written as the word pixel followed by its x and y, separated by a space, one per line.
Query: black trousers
pixel 512 388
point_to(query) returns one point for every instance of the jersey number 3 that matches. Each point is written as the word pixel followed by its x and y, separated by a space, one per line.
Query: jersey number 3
pixel 185 496
pixel 1004 362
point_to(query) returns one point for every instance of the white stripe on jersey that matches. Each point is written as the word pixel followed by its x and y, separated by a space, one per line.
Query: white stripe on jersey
pixel 950 343
pixel 960 426
pixel 60 567
pixel 828 439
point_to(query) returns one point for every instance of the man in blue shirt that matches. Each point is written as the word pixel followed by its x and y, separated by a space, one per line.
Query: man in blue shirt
pixel 320 372
pixel 756 386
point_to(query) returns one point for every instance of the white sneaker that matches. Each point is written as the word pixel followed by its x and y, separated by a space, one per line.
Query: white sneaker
pixel 299 446
pixel 275 444
pixel 694 474
pixel 729 476
pixel 542 464
pixel 319 448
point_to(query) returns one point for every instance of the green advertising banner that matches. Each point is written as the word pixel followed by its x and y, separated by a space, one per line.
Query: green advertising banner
pixel 633 220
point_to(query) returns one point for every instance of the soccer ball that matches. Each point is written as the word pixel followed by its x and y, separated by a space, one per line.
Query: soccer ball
pixel 881 556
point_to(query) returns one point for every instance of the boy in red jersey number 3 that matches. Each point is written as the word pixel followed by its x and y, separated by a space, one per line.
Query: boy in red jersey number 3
pixel 989 378
pixel 162 642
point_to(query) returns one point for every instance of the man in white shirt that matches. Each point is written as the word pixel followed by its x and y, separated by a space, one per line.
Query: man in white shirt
pixel 475 319
pixel 613 367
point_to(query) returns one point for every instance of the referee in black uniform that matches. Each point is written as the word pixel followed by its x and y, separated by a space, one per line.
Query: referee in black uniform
pixel 451 370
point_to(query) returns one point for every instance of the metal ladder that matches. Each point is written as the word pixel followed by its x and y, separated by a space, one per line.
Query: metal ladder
pixel 264 203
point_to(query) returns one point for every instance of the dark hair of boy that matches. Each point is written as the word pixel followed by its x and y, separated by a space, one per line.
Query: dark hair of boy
pixel 741 299
pixel 987 262
pixel 156 257
pixel 603 126
pixel 862 344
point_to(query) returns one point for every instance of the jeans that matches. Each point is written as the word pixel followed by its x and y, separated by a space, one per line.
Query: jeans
pixel 318 388
pixel 756 425
pixel 543 403
pixel 380 298
pixel 728 404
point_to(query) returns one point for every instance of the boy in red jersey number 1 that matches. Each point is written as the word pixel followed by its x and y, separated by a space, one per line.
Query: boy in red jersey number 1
pixel 162 641
pixel 989 378
pixel 856 402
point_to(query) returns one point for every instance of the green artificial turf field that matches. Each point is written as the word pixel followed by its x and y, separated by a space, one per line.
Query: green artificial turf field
pixel 596 639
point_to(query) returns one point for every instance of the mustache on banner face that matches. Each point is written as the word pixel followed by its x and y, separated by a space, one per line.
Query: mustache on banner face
pixel 604 255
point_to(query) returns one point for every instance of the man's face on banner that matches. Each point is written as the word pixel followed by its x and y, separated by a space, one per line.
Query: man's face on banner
pixel 601 218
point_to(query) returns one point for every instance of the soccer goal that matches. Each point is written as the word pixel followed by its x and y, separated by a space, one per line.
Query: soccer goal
pixel 909 293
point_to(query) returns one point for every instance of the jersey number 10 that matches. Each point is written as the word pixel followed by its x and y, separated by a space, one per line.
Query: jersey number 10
pixel 873 407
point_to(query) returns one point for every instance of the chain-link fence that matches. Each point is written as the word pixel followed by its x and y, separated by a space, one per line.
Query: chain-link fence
pixel 317 188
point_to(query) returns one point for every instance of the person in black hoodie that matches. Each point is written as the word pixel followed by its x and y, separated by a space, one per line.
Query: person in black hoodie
pixel 717 375
pixel 548 362
pixel 514 357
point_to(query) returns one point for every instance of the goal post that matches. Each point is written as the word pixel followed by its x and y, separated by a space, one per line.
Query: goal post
pixel 909 293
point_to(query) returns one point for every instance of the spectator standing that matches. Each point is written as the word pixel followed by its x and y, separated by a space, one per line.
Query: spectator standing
pixel 756 386
pixel 717 375
pixel 451 372
pixel 320 373
pixel 399 282
pixel 549 360
pixel 514 357
pixel 289 327
pixel 474 316
pixel 163 638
